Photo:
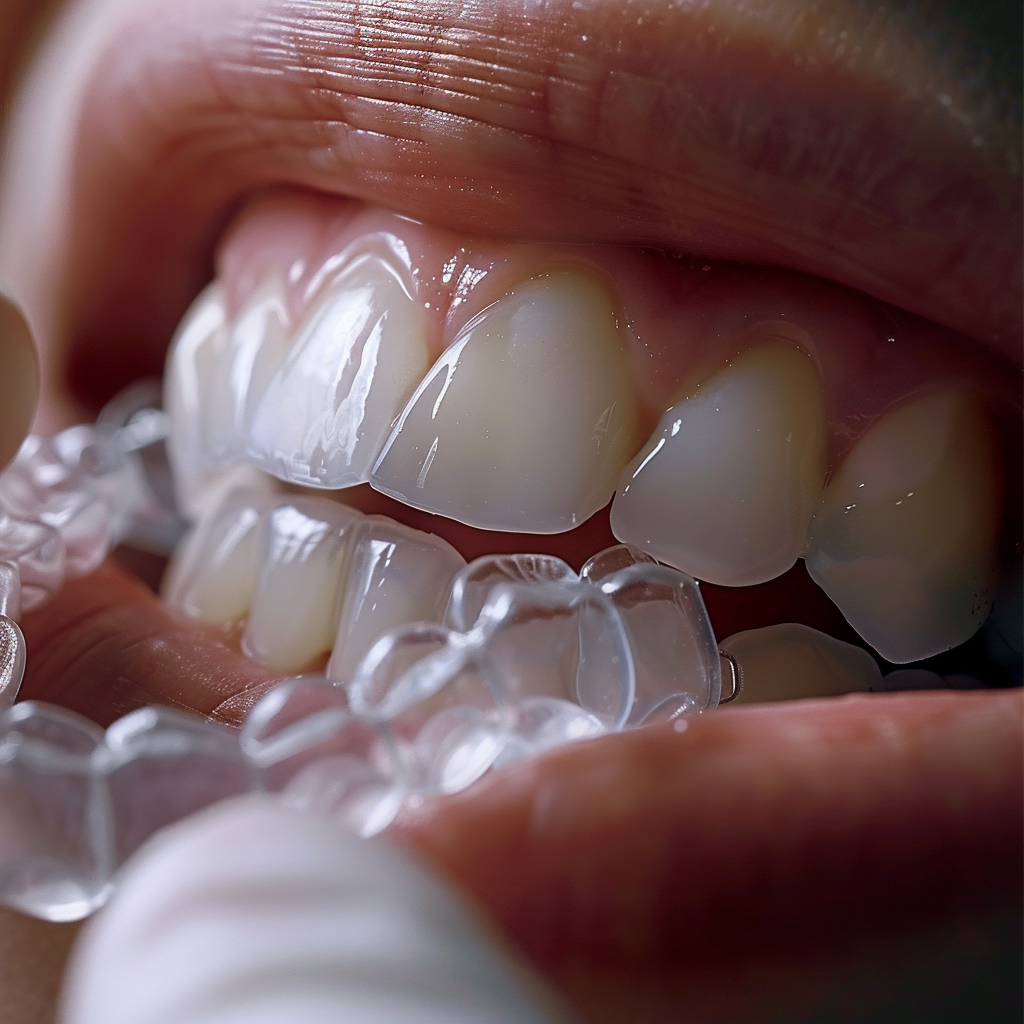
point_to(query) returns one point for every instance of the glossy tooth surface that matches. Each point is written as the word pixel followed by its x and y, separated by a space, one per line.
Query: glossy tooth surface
pixel 325 415
pixel 525 422
pixel 395 575
pixel 726 485
pixel 904 540
pixel 198 358
pixel 213 574
pixel 791 661
pixel 294 609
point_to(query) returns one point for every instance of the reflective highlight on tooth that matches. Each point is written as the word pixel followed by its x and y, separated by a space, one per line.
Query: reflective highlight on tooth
pixel 726 485
pixel 312 577
pixel 295 606
pixel 525 422
pixel 904 540
pixel 324 417
pixel 201 422
pixel 394 575
pixel 791 661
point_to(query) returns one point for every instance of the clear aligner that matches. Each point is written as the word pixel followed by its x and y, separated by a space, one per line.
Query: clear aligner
pixel 530 656
pixel 65 502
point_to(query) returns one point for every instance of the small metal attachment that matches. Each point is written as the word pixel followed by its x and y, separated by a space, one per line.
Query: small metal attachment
pixel 12 661
pixel 735 674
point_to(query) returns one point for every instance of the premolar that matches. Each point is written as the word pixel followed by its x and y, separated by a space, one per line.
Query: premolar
pixel 904 540
pixel 791 661
pixel 525 422
pixel 326 414
pixel 726 485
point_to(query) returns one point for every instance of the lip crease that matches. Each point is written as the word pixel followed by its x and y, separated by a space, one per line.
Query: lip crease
pixel 493 119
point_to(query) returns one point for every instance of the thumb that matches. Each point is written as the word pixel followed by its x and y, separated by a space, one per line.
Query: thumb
pixel 250 912
pixel 19 378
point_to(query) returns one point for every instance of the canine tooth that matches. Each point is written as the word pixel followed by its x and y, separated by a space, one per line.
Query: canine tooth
pixel 526 420
pixel 326 414
pixel 791 661
pixel 726 485
pixel 904 540
pixel 213 573
pixel 396 575
pixel 294 610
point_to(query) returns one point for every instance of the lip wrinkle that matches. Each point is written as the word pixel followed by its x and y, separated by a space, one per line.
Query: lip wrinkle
pixel 769 836
pixel 885 194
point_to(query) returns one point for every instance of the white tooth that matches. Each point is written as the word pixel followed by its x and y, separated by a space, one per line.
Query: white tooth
pixel 395 575
pixel 791 661
pixel 725 487
pixel 526 420
pixel 326 414
pixel 198 359
pixel 258 342
pixel 294 611
pixel 212 575
pixel 904 541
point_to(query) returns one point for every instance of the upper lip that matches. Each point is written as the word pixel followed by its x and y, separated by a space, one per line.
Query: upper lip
pixel 612 129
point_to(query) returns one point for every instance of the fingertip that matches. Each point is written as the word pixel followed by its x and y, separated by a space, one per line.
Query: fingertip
pixel 19 378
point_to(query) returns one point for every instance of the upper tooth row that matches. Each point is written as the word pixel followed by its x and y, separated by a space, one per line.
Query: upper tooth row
pixel 527 422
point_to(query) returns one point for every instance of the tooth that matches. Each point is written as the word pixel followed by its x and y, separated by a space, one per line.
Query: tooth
pixel 326 414
pixel 792 661
pixel 294 611
pixel 258 342
pixel 395 576
pixel 526 420
pixel 904 540
pixel 197 357
pixel 213 572
pixel 725 487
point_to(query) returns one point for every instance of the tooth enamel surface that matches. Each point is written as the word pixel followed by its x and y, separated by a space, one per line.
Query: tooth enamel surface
pixel 395 575
pixel 213 574
pixel 325 415
pixel 307 577
pixel 904 540
pixel 295 606
pixel 525 422
pixel 726 485
pixel 791 661
pixel 196 397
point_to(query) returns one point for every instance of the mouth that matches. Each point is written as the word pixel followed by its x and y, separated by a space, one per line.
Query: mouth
pixel 519 317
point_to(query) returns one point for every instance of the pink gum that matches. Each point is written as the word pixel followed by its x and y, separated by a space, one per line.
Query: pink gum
pixel 683 317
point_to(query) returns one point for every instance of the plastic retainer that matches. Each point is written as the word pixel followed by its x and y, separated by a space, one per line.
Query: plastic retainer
pixel 531 656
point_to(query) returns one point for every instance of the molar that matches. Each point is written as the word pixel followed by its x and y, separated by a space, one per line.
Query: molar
pixel 324 417
pixel 525 422
pixel 726 485
pixel 904 540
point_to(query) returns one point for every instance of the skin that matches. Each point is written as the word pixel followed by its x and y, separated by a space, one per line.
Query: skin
pixel 747 866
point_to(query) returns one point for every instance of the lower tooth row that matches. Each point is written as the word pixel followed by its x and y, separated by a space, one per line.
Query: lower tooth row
pixel 627 639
